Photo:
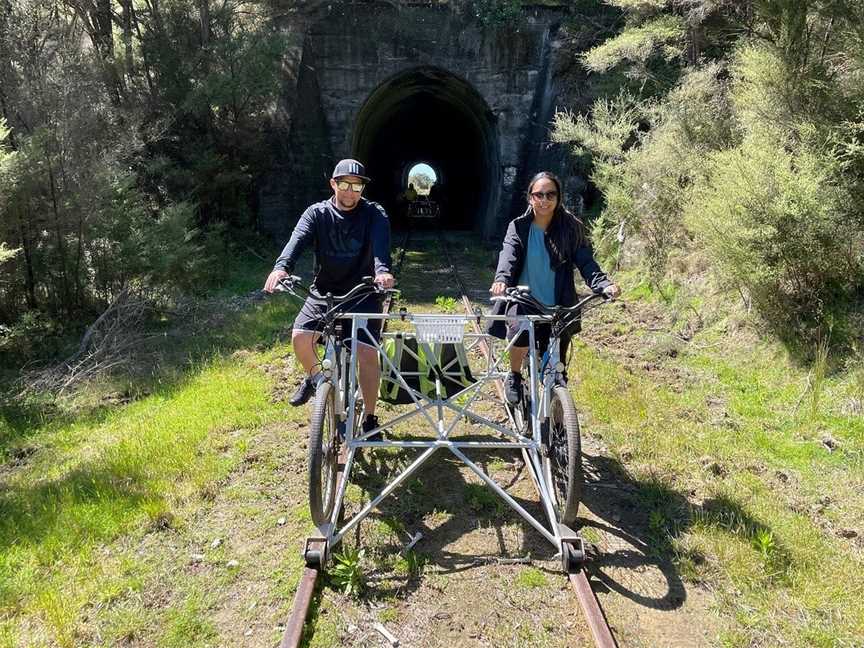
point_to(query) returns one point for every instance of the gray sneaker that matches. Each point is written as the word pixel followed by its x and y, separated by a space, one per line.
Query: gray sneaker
pixel 513 388
pixel 305 390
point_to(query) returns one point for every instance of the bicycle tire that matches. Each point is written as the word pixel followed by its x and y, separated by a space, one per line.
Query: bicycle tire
pixel 323 455
pixel 564 455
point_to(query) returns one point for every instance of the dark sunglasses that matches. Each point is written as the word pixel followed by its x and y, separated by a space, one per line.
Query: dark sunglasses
pixel 548 195
pixel 344 185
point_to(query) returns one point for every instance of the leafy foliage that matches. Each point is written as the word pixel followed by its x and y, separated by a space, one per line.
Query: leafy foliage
pixel 658 37
pixel 130 138
pixel 347 573
pixel 742 145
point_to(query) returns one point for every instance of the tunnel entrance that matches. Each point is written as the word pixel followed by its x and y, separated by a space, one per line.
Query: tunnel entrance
pixel 431 116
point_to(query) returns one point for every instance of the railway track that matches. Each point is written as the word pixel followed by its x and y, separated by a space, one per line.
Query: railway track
pixel 578 578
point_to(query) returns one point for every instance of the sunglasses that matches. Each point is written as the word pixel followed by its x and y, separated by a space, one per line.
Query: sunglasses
pixel 548 195
pixel 344 185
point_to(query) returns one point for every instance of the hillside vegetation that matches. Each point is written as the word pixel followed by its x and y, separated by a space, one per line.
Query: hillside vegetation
pixel 727 143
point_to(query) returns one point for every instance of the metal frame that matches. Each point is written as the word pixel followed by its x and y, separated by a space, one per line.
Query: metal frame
pixel 433 411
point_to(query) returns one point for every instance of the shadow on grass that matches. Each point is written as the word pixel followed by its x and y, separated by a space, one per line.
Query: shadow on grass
pixel 48 518
pixel 638 524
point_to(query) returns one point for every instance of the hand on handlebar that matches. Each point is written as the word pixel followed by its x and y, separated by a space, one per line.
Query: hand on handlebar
pixel 385 280
pixel 498 288
pixel 273 280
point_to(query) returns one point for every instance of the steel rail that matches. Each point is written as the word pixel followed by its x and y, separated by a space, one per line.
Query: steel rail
pixel 306 588
pixel 597 623
pixel 302 601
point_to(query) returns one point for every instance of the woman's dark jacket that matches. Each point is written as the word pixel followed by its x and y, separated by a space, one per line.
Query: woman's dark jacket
pixel 511 260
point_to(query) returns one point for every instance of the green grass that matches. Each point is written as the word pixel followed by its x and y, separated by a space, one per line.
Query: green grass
pixel 483 501
pixel 96 473
pixel 446 304
pixel 126 474
pixel 348 573
pixel 411 564
pixel 782 575
pixel 186 622
pixel 531 578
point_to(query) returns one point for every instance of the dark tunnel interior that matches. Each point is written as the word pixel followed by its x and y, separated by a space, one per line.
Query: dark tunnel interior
pixel 430 116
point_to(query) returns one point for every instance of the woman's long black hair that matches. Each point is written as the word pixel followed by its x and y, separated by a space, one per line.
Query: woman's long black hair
pixel 566 232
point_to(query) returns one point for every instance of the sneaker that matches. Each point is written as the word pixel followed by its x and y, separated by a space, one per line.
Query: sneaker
pixel 370 423
pixel 305 390
pixel 513 388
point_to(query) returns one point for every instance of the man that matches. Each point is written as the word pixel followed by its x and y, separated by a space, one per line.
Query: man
pixel 351 239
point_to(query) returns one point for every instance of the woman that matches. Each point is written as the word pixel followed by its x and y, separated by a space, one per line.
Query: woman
pixel 541 249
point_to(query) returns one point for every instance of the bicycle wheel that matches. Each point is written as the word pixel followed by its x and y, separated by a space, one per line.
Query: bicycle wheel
pixel 323 454
pixel 565 455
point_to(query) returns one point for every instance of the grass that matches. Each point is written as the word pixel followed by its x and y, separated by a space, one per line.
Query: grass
pixel 186 623
pixel 126 474
pixel 483 501
pixel 348 573
pixel 100 502
pixel 531 578
pixel 411 564
pixel 782 574
pixel 446 304
pixel 89 476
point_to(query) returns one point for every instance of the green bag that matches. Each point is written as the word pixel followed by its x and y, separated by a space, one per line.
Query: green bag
pixel 419 365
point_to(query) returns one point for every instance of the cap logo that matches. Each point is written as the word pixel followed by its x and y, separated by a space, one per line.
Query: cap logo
pixel 350 167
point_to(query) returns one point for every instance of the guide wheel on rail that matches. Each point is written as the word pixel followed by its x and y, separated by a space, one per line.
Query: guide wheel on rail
pixel 315 553
pixel 572 555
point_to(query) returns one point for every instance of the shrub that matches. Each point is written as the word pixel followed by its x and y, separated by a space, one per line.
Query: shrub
pixel 775 219
pixel 645 156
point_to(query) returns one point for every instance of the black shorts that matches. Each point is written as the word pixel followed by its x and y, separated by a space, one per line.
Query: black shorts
pixel 311 316
pixel 542 330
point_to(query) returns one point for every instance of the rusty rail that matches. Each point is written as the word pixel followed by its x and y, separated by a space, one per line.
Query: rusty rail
pixel 302 600
pixel 591 609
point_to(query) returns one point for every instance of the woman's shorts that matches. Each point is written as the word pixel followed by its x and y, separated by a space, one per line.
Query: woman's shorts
pixel 311 318
pixel 542 330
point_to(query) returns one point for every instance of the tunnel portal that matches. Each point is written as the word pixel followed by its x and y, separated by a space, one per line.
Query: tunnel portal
pixel 395 84
pixel 430 115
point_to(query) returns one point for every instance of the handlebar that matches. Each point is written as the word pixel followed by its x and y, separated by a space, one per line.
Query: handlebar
pixel 367 286
pixel 335 303
pixel 521 295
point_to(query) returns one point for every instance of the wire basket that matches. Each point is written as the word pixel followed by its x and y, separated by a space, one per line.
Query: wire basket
pixel 433 330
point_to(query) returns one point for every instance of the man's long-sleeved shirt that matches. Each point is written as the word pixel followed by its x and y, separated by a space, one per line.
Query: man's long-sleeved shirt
pixel 348 245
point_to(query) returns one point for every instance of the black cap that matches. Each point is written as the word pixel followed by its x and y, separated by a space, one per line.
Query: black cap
pixel 350 168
